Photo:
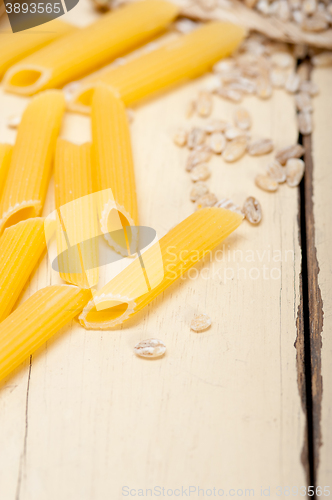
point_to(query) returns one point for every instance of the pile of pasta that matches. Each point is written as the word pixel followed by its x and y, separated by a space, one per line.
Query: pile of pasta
pixel 40 66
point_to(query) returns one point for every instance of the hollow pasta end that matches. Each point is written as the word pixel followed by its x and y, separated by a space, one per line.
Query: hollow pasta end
pixel 106 311
pixel 20 212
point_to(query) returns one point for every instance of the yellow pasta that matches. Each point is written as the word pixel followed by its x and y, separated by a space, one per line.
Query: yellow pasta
pixel 35 321
pixel 78 264
pixel 114 168
pixel 187 57
pixel 72 172
pixel 5 157
pixel 20 248
pixel 79 53
pixel 16 46
pixel 136 286
pixel 30 167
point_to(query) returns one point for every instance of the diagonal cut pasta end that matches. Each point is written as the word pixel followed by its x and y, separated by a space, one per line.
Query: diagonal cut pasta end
pixel 26 79
pixel 81 100
pixel 29 171
pixel 107 311
pixel 20 212
pixel 159 266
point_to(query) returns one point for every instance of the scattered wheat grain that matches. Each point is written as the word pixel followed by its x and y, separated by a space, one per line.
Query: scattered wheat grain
pixel 196 137
pixel 276 171
pixel 199 190
pixel 252 210
pixel 294 171
pixel 242 119
pixel 235 149
pixel 284 154
pixel 180 137
pixel 200 323
pixel 260 147
pixel 217 142
pixel 200 173
pixel 151 348
pixel 266 183
pixel 207 200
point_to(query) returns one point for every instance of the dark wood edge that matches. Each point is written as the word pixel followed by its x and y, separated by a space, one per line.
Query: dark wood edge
pixel 316 312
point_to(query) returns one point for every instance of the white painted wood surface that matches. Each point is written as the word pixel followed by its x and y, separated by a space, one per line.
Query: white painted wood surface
pixel 222 409
pixel 322 154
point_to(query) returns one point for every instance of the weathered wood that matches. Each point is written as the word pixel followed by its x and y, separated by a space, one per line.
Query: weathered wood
pixel 301 365
pixel 315 303
pixel 319 222
pixel 98 418
pixel 223 408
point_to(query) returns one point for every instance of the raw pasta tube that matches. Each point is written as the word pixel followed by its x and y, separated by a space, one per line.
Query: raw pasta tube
pixel 20 249
pixel 5 157
pixel 19 45
pixel 78 264
pixel 89 48
pixel 114 168
pixel 180 249
pixel 35 321
pixel 30 167
pixel 187 57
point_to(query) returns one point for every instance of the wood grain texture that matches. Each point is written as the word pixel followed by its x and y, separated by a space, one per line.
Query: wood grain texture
pixel 314 303
pixel 320 280
pixel 222 409
pixel 302 378
pixel 98 418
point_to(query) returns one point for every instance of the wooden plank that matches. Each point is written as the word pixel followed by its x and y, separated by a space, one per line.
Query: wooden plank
pixel 319 266
pixel 223 408
pixel 98 418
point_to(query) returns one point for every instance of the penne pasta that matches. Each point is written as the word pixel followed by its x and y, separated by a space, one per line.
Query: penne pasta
pixel 146 277
pixel 187 57
pixel 19 45
pixel 114 168
pixel 80 53
pixel 20 249
pixel 72 172
pixel 5 158
pixel 35 321
pixel 73 181
pixel 30 167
